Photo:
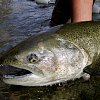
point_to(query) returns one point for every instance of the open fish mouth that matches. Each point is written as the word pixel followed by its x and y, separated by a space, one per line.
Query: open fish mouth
pixel 21 73
pixel 20 77
pixel 27 78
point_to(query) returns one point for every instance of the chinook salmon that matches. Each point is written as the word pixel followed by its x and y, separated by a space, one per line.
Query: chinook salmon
pixel 54 57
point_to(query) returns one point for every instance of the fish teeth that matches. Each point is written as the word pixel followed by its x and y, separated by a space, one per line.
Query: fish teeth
pixel 1 64
pixel 6 76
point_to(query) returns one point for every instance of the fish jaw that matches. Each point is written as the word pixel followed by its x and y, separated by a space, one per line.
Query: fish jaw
pixel 25 80
pixel 29 80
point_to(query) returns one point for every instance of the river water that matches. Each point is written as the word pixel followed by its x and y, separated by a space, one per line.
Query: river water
pixel 20 19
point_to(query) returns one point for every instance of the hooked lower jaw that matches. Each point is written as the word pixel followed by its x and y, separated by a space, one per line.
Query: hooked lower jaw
pixel 29 80
pixel 19 76
pixel 24 80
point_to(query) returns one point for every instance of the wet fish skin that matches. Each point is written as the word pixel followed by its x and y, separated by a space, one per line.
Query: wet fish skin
pixel 55 57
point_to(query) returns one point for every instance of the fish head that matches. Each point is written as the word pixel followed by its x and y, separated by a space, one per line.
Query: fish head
pixel 38 59
pixel 49 61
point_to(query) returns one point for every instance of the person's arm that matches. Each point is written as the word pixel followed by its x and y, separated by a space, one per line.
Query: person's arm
pixel 81 10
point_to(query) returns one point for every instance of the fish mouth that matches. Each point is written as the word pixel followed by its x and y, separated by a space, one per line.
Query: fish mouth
pixel 20 77
pixel 27 78
pixel 19 73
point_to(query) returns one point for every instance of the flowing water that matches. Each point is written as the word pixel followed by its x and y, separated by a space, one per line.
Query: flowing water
pixel 20 19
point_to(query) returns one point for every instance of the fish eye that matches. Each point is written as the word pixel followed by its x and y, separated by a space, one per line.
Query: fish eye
pixel 32 58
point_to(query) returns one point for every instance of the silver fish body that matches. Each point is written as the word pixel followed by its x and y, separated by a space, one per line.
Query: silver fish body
pixel 54 57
